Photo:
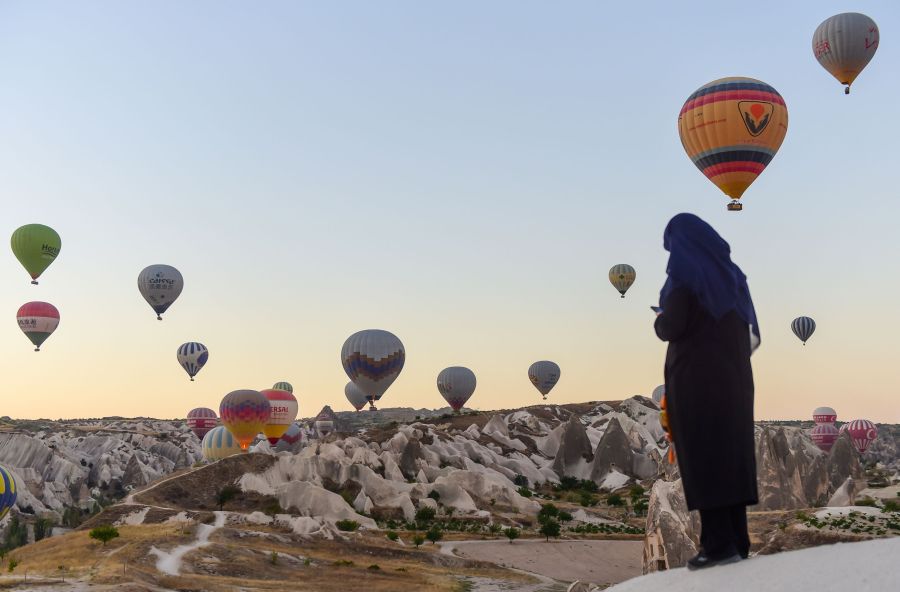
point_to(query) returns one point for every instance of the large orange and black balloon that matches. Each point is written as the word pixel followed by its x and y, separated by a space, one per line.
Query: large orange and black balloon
pixel 731 129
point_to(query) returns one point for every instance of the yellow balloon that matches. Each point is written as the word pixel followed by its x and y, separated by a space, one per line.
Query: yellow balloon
pixel 731 129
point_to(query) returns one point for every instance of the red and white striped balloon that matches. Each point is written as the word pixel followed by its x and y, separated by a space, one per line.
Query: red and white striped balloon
pixel 824 436
pixel 862 432
pixel 824 415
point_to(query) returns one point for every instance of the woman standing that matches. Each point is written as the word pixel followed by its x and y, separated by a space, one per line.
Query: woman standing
pixel 708 319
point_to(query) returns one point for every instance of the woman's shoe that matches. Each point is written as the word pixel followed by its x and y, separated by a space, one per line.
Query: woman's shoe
pixel 702 560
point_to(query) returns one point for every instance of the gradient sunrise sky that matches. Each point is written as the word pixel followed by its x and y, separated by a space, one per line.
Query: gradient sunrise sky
pixel 461 174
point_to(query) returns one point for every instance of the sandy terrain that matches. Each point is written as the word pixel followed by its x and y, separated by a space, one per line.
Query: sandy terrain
pixel 601 562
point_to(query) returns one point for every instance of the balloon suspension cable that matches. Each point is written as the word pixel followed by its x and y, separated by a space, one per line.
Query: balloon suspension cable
pixel 34 282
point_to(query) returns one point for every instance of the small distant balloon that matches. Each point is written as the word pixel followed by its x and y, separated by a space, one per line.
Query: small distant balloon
pixel 803 328
pixel 219 443
pixel 192 356
pixel 862 433
pixel 283 386
pixel 356 397
pixel 844 44
pixel 544 375
pixel 824 436
pixel 824 415
pixel 373 360
pixel 658 394
pixel 283 411
pixel 201 420
pixel 456 384
pixel 8 492
pixel 38 320
pixel 35 246
pixel 621 276
pixel 325 421
pixel 160 285
pixel 244 413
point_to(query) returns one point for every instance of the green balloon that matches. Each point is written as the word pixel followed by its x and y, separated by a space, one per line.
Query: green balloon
pixel 36 247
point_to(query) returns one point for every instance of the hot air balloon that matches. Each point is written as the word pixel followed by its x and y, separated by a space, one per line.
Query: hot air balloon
pixel 373 359
pixel 244 413
pixel 356 397
pixel 283 386
pixel 219 443
pixel 843 428
pixel 160 285
pixel 201 420
pixel 8 493
pixel 824 415
pixel 844 44
pixel 824 436
pixel 731 129
pixel 803 328
pixel 456 384
pixel 38 320
pixel 621 276
pixel 543 375
pixel 293 435
pixel 192 356
pixel 36 247
pixel 658 393
pixel 283 411
pixel 325 421
pixel 862 432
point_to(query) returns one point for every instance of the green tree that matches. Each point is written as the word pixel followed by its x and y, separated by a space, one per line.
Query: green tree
pixel 434 534
pixel 42 528
pixel 347 525
pixel 615 499
pixel 547 511
pixel 550 528
pixel 418 540
pixel 495 528
pixel 392 536
pixel 16 533
pixel 511 533
pixel 225 495
pixel 425 514
pixel 104 533
pixel 564 516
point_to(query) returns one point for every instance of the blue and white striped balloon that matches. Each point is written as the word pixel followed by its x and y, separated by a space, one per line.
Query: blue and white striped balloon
pixel 192 356
pixel 803 328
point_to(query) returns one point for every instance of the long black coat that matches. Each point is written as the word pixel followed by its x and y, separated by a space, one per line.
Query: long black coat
pixel 709 398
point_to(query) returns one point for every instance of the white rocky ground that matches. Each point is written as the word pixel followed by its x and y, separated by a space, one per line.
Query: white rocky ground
pixel 869 566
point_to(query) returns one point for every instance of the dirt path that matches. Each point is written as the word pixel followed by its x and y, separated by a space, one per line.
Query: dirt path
pixel 169 562
pixel 600 562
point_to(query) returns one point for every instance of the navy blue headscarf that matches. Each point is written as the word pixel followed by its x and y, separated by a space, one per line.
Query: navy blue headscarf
pixel 700 261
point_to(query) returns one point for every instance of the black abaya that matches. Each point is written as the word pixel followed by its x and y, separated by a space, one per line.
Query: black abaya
pixel 709 400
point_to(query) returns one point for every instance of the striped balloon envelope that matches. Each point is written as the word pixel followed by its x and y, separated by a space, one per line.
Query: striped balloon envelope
pixel 844 44
pixel 373 360
pixel 218 443
pixel 244 413
pixel 658 394
pixel 824 415
pixel 293 435
pixel 803 328
pixel 192 356
pixel 862 432
pixel 731 129
pixel 544 375
pixel 283 409
pixel 356 397
pixel 38 320
pixel 283 386
pixel 824 436
pixel 325 421
pixel 456 384
pixel 8 493
pixel 621 276
pixel 201 420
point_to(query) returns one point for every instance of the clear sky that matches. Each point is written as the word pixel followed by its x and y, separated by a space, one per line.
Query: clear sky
pixel 462 174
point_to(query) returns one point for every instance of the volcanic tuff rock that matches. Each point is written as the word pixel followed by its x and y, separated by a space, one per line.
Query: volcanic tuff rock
pixel 574 453
pixel 74 463
pixel 673 532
